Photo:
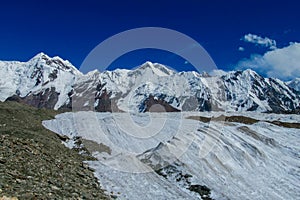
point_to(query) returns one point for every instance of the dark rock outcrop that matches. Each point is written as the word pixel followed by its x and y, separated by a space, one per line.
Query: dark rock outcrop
pixel 45 99
pixel 152 104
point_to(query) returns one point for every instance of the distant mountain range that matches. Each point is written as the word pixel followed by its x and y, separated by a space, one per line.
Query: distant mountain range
pixel 54 83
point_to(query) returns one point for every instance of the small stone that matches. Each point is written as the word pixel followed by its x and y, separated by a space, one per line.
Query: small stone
pixel 85 165
pixel 114 196
pixel 2 161
pixel 94 194
pixel 74 194
pixel 8 198
pixel 53 187
pixel 63 137
pixel 20 181
pixel 81 174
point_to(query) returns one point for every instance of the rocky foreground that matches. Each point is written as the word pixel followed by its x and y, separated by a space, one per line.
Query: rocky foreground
pixel 34 164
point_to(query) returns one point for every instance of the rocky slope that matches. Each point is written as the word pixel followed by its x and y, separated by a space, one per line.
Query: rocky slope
pixel 46 82
pixel 34 164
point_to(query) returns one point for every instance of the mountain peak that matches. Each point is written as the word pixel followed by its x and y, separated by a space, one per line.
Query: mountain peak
pixel 40 56
pixel 148 63
pixel 156 68
pixel 55 61
pixel 250 72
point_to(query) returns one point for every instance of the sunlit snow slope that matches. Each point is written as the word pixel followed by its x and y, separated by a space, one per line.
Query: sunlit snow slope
pixel 294 84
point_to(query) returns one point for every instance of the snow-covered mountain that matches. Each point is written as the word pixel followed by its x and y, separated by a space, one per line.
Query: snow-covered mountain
pixel 41 82
pixel 294 84
pixel 55 83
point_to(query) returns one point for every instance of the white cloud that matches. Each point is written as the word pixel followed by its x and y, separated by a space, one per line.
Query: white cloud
pixel 241 49
pixel 258 40
pixel 281 63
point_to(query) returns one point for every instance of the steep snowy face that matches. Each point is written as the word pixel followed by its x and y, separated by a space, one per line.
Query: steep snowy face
pixel 248 91
pixel 155 68
pixel 295 84
pixel 41 74
pixel 136 90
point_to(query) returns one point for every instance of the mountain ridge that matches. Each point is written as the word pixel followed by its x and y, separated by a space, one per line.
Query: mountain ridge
pixel 57 84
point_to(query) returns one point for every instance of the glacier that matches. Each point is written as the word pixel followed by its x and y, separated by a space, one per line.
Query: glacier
pixel 161 155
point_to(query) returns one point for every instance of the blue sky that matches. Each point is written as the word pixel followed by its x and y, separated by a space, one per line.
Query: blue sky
pixel 72 29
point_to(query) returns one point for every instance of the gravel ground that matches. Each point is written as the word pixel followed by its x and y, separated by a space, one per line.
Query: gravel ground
pixel 34 164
